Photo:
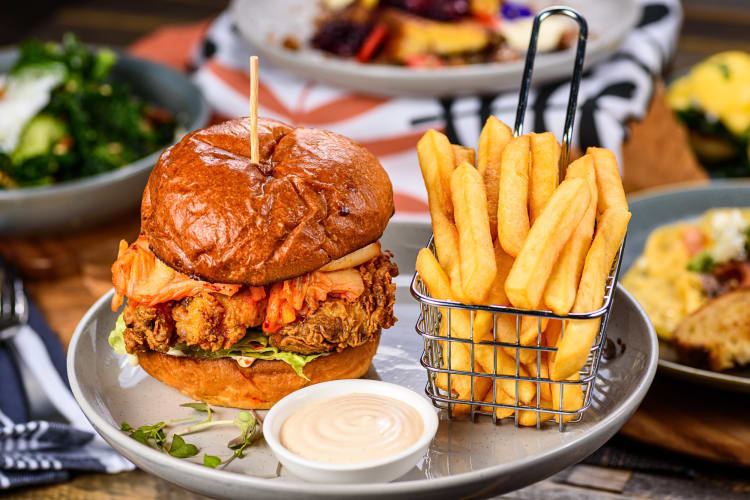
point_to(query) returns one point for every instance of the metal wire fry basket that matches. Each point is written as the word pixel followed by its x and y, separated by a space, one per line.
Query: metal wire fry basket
pixel 435 313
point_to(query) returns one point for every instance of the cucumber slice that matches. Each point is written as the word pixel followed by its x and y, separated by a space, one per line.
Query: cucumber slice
pixel 38 137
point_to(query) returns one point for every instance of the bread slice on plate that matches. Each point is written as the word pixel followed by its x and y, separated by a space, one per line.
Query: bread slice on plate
pixel 718 334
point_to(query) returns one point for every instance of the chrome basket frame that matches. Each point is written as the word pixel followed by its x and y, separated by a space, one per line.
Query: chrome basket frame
pixel 430 318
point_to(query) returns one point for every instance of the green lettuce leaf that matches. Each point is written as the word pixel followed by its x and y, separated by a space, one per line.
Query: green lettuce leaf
pixel 116 340
pixel 253 345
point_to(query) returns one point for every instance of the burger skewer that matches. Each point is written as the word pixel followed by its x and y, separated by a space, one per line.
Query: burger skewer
pixel 254 109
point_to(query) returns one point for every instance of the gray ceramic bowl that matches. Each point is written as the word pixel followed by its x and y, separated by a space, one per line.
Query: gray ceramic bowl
pixel 465 459
pixel 657 207
pixel 81 202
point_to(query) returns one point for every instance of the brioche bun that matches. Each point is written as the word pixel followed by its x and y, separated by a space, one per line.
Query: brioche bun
pixel 315 196
pixel 223 382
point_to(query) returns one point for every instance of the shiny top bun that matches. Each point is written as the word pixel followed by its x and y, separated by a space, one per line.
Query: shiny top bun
pixel 315 196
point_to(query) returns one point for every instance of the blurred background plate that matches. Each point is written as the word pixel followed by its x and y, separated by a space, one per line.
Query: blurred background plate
pixel 654 208
pixel 82 202
pixel 608 21
pixel 465 459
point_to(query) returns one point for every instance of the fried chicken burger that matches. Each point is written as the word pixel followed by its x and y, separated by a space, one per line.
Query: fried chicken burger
pixel 252 280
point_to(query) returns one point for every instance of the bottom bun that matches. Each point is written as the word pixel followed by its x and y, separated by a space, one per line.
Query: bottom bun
pixel 222 382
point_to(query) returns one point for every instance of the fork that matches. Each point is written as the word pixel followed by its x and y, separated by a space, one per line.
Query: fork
pixel 28 348
pixel 13 305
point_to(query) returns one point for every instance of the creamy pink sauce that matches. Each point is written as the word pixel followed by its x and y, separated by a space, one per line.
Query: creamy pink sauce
pixel 354 428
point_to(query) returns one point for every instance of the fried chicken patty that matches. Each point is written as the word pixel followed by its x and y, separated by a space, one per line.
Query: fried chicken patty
pixel 214 321
pixel 210 320
pixel 337 323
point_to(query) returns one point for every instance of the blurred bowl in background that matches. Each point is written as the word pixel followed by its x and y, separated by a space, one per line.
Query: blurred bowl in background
pixel 82 202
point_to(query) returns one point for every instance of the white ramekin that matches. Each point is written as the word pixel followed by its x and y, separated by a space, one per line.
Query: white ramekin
pixel 376 471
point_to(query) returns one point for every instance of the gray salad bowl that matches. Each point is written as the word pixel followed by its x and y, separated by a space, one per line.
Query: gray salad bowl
pixel 82 202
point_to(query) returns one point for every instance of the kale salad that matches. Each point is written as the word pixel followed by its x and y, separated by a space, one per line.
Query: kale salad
pixel 63 116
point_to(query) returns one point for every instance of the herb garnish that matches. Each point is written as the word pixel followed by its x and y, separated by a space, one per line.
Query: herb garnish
pixel 181 449
pixel 211 461
pixel 250 431
pixel 701 263
pixel 724 70
pixel 155 437
pixel 249 423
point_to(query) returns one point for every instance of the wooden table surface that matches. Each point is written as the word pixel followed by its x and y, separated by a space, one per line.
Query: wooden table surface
pixel 69 273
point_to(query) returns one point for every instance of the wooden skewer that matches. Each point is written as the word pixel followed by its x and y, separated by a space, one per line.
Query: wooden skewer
pixel 254 109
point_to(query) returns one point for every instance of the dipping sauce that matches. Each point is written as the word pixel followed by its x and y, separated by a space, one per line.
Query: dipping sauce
pixel 357 427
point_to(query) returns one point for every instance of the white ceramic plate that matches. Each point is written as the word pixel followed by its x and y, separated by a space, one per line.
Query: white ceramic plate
pixel 465 458
pixel 265 23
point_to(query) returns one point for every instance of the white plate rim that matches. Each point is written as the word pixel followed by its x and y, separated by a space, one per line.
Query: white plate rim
pixel 597 49
pixel 112 434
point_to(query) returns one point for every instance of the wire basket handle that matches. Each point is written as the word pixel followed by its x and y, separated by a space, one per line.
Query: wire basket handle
pixel 523 96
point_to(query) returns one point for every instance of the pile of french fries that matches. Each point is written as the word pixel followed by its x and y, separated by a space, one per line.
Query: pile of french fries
pixel 508 232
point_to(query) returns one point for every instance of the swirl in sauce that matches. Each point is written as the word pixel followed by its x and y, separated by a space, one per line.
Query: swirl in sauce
pixel 354 428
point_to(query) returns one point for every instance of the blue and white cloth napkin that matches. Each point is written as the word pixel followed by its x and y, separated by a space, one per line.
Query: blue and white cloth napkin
pixel 34 452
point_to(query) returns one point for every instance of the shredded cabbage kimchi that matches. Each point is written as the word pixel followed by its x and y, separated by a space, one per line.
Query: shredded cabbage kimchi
pixel 144 279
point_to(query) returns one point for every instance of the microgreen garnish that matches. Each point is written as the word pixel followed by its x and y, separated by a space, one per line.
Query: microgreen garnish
pixel 249 423
pixel 211 461
pixel 153 435
pixel 180 449
pixel 200 406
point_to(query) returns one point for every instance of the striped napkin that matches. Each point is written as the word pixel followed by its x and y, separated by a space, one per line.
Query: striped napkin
pixel 33 452
pixel 612 93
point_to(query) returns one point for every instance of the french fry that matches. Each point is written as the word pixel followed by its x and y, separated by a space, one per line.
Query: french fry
pixel 533 266
pixel 541 370
pixel 611 192
pixel 438 284
pixel 463 154
pixel 527 418
pixel 477 257
pixel 437 161
pixel 575 343
pixel 484 321
pixel 506 332
pixel 502 398
pixel 506 365
pixel 552 333
pixel 571 396
pixel 512 208
pixel 445 236
pixel 492 141
pixel 439 199
pixel 530 327
pixel 544 173
pixel 456 287
pixel 433 275
pixel 460 385
pixel 560 293
pixel 503 262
